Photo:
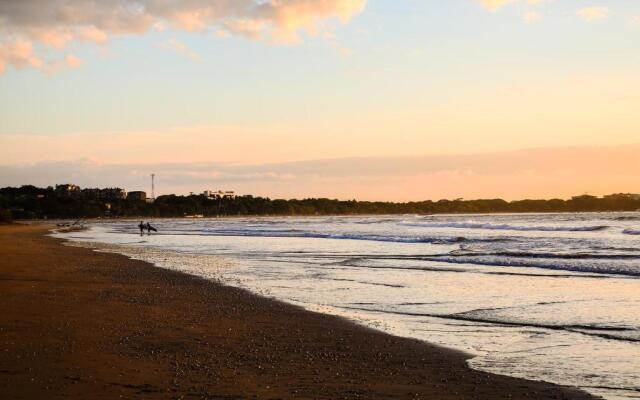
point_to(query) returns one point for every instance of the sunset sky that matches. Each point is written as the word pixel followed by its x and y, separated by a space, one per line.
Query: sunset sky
pixel 377 99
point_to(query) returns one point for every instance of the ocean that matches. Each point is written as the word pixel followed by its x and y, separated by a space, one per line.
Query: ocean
pixel 551 297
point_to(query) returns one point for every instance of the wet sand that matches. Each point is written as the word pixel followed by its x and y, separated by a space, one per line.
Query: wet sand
pixel 81 324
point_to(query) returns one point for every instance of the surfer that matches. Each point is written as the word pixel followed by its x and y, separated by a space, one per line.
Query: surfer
pixel 150 228
pixel 141 226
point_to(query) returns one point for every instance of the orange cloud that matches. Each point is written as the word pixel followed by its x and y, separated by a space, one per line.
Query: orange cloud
pixel 73 61
pixel 493 5
pixel 591 14
pixel 531 16
pixel 57 23
pixel 19 54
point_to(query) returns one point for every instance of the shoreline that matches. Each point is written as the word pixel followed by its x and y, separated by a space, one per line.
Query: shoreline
pixel 79 323
pixel 225 217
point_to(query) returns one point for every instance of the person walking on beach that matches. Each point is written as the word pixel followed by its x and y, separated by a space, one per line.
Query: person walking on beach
pixel 141 226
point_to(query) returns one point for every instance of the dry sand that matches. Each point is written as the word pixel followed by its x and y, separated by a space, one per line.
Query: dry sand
pixel 81 324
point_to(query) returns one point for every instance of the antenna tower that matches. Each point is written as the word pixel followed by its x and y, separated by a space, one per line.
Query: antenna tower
pixel 153 186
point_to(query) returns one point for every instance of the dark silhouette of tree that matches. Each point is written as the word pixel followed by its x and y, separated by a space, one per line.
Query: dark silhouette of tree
pixel 30 202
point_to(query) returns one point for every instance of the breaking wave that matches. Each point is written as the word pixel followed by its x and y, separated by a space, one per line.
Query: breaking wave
pixel 626 334
pixel 592 265
pixel 562 256
pixel 293 233
pixel 458 225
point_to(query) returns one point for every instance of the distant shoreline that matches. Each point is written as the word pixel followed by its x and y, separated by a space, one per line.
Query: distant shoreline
pixel 29 202
pixel 150 218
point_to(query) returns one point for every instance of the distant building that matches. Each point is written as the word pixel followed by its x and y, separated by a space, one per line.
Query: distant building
pixel 216 195
pixel 212 195
pixel 137 195
pixel 67 190
pixel 113 194
pixel 101 194
pixel 90 194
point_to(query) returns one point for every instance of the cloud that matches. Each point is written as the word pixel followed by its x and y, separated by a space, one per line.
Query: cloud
pixel 531 17
pixel 181 48
pixel 494 5
pixel 19 54
pixel 73 61
pixel 534 173
pixel 28 24
pixel 591 14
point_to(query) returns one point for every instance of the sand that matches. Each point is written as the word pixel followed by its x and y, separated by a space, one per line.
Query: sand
pixel 81 324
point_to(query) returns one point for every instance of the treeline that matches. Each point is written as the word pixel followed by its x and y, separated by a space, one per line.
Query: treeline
pixel 30 202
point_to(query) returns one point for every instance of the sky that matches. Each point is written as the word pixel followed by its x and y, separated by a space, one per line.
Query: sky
pixel 366 99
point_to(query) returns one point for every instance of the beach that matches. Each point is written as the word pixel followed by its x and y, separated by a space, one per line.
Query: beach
pixel 82 324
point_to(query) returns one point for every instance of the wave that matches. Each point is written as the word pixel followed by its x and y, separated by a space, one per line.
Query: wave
pixel 375 221
pixel 562 256
pixel 293 233
pixel 627 218
pixel 605 332
pixel 363 263
pixel 319 235
pixel 557 264
pixel 469 225
pixel 631 232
